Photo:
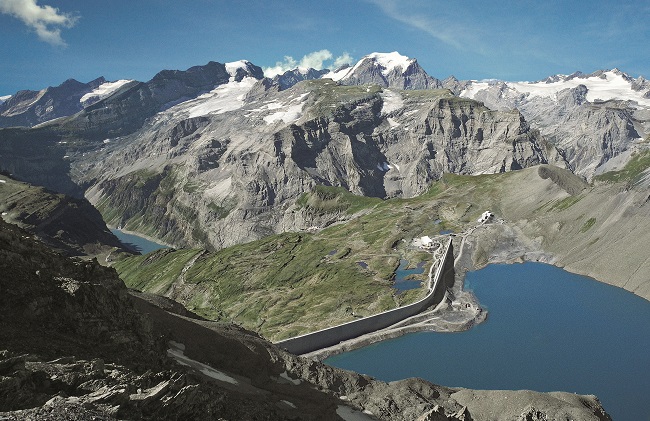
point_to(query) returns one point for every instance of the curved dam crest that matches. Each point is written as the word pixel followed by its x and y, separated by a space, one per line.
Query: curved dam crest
pixel 324 338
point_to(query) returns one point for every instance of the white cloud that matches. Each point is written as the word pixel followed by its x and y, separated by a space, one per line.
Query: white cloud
pixel 343 59
pixel 316 60
pixel 46 21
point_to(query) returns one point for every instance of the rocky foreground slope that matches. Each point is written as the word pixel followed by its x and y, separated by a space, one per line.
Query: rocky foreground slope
pixel 72 226
pixel 77 345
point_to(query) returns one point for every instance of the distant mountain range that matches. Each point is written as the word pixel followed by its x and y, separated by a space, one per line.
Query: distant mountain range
pixel 191 154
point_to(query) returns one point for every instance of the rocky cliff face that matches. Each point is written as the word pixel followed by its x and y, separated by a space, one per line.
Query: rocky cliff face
pixel 589 118
pixel 228 175
pixel 77 345
pixel 28 108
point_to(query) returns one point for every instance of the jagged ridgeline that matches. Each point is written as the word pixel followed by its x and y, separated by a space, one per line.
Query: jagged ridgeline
pixel 216 155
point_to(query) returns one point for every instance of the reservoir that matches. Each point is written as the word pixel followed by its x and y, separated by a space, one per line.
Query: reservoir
pixel 136 242
pixel 547 330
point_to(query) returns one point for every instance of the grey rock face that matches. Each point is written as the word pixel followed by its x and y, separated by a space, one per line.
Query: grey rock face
pixel 454 85
pixel 587 129
pixel 291 77
pixel 28 108
pixel 226 178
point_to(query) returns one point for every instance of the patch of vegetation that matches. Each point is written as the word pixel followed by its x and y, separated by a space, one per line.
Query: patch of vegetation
pixel 326 199
pixel 219 211
pixel 632 171
pixel 330 96
pixel 565 203
pixel 295 283
pixel 191 187
pixel 154 272
pixel 424 94
pixel 588 224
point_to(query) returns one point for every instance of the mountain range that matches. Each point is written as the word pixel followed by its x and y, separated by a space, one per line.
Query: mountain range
pixel 246 146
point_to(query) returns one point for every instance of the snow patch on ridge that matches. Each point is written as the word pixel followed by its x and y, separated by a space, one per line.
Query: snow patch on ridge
pixel 4 98
pixel 224 98
pixel 289 114
pixel 392 101
pixel 103 91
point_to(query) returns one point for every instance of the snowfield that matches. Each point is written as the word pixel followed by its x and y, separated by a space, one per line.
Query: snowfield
pixel 392 101
pixel 610 86
pixel 104 90
pixel 292 111
pixel 224 98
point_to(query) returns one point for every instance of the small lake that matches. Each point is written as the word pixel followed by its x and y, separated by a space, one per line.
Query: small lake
pixel 136 242
pixel 547 330
pixel 401 274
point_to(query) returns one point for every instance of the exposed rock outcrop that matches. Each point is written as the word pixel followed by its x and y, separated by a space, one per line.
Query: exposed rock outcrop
pixel 72 226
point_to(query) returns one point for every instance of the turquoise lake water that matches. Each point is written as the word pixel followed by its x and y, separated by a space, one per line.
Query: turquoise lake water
pixel 136 242
pixel 547 330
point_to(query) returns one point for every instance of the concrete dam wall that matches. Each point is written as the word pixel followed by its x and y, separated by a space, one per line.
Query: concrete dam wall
pixel 309 342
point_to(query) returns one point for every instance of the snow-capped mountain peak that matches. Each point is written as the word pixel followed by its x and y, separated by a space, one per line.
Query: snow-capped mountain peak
pixel 385 69
pixel 385 62
pixel 4 98
pixel 241 68
pixel 391 61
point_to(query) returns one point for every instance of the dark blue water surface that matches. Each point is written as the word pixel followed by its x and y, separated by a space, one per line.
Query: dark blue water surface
pixel 136 242
pixel 547 330
pixel 403 284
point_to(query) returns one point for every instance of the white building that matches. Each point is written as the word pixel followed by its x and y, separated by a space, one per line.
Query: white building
pixel 426 241
pixel 487 215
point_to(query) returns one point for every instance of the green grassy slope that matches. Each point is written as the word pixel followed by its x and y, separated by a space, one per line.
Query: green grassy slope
pixel 294 283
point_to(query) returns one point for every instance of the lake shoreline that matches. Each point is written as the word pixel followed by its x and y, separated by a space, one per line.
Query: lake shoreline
pixel 138 234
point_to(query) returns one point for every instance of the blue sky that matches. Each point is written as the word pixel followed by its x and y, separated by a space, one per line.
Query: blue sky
pixel 45 42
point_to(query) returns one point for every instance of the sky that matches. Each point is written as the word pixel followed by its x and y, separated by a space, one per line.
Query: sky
pixel 45 42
